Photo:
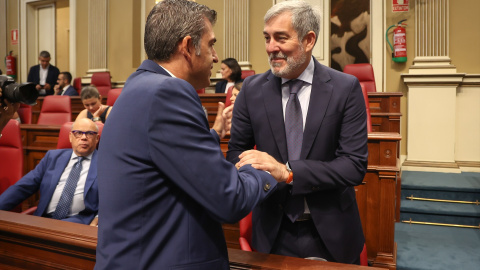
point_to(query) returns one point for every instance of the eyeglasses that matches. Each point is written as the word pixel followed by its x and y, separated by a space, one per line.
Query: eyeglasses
pixel 88 134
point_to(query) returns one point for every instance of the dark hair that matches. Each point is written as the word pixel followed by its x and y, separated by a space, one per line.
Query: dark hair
pixel 235 67
pixel 67 76
pixel 172 20
pixel 44 54
pixel 89 92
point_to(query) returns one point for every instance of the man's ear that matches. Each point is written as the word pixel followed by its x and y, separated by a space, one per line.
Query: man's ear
pixel 309 41
pixel 186 48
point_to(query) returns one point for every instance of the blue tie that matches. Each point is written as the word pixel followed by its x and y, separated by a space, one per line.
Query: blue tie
pixel 294 132
pixel 65 202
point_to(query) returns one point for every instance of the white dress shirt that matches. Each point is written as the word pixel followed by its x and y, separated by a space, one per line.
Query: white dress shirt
pixel 78 203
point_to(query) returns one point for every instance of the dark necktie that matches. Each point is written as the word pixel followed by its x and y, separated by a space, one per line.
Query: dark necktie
pixel 65 202
pixel 294 131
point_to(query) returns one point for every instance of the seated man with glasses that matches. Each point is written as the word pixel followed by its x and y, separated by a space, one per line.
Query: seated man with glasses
pixel 65 178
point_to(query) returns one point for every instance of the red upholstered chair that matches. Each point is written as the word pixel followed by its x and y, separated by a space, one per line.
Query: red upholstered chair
pixel 229 95
pixel 201 91
pixel 246 73
pixel 113 95
pixel 364 73
pixel 245 239
pixel 102 82
pixel 25 113
pixel 365 97
pixel 56 110
pixel 77 84
pixel 63 136
pixel 11 151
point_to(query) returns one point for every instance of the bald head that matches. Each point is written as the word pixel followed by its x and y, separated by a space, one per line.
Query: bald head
pixel 84 137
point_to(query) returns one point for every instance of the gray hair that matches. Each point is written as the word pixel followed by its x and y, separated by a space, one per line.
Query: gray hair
pixel 172 20
pixel 44 54
pixel 305 18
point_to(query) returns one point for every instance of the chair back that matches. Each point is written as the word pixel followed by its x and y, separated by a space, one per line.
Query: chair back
pixel 229 95
pixel 201 91
pixel 102 82
pixel 11 149
pixel 113 95
pixel 63 136
pixel 25 113
pixel 367 105
pixel 245 227
pixel 77 84
pixel 364 73
pixel 246 73
pixel 56 110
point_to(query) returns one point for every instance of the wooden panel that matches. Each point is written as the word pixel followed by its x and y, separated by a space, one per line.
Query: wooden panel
pixel 30 242
pixel 209 101
pixel 385 111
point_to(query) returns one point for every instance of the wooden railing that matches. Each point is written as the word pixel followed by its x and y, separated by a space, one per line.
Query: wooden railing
pixel 30 242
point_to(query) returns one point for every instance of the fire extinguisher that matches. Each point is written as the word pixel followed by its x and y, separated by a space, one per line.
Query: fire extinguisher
pixel 399 48
pixel 10 62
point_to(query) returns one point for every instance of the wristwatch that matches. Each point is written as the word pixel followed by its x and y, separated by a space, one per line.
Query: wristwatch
pixel 290 173
pixel 95 119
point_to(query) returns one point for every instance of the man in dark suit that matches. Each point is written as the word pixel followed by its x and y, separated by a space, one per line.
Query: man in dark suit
pixel 43 75
pixel 321 154
pixel 63 87
pixel 164 183
pixel 52 175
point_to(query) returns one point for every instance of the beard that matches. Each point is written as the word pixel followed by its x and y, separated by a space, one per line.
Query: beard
pixel 293 63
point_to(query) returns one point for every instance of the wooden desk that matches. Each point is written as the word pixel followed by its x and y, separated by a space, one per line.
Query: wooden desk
pixel 385 111
pixel 30 242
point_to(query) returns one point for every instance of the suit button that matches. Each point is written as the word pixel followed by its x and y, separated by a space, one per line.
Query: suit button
pixel 267 187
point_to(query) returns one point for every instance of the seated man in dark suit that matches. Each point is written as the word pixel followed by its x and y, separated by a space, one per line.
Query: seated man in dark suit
pixel 43 75
pixel 65 178
pixel 63 87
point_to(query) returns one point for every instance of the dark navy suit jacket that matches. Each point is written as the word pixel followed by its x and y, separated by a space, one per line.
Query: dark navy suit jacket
pixel 333 157
pixel 52 76
pixel 44 178
pixel 165 186
pixel 71 91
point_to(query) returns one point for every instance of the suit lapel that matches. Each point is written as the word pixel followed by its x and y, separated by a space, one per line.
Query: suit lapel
pixel 91 176
pixel 272 99
pixel 52 183
pixel 319 100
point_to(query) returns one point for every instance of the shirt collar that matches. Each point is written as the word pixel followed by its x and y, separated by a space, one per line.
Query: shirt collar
pixel 74 156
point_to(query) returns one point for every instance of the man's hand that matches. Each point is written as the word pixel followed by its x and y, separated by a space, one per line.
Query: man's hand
pixel 56 89
pixel 227 115
pixel 38 87
pixel 47 86
pixel 219 124
pixel 263 161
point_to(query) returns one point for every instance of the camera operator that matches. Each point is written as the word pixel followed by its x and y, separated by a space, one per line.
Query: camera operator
pixel 7 110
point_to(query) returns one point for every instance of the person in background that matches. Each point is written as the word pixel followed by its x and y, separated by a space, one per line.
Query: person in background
pixel 63 87
pixel 92 101
pixel 65 178
pixel 165 185
pixel 308 123
pixel 228 112
pixel 231 73
pixel 8 111
pixel 43 75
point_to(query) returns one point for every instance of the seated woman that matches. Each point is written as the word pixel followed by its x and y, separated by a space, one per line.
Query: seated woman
pixel 92 101
pixel 231 73
pixel 228 112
